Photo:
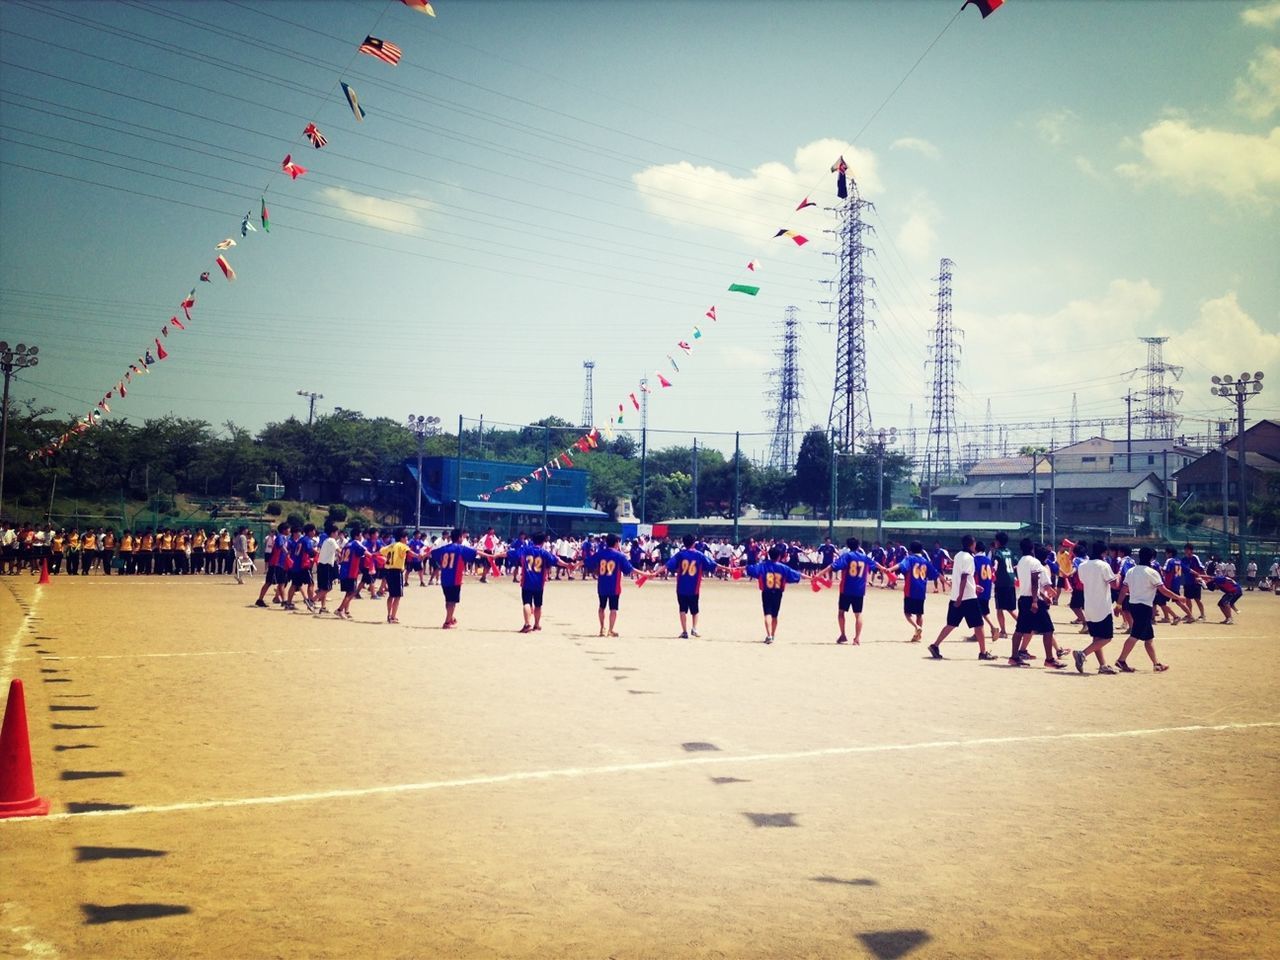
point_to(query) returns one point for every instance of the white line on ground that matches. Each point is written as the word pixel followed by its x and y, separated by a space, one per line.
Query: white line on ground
pixel 576 772
pixel 11 651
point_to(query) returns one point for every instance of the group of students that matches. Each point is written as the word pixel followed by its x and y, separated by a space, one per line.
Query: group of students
pixel 81 552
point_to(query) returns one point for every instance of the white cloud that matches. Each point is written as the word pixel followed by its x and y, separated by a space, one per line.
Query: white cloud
pixel 1258 94
pixel 1239 166
pixel 1085 166
pixel 920 146
pixel 1053 127
pixel 1225 339
pixel 1265 16
pixel 917 236
pixel 754 205
pixel 739 358
pixel 374 211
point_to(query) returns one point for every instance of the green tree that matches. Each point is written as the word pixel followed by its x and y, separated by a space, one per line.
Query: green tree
pixel 812 481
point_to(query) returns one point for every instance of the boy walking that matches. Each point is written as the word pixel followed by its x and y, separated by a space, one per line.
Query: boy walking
pixel 534 559
pixel 1141 585
pixel 773 577
pixel 689 565
pixel 1096 579
pixel 964 602
pixel 610 564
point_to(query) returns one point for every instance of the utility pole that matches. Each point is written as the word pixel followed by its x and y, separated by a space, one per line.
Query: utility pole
pixel 884 438
pixel 694 468
pixel 11 359
pixel 312 397
pixel 422 428
pixel 835 490
pixel 644 446
pixel 785 408
pixel 546 472
pixel 737 462
pixel 1128 432
pixel 1240 391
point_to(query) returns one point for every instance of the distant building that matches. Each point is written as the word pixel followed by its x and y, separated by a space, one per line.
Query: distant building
pixel 1203 477
pixel 1113 499
pixel 1164 458
pixel 1005 468
pixel 444 487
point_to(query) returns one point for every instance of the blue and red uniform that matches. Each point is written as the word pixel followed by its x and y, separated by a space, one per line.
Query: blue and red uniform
pixel 984 575
pixel 355 551
pixel 534 564
pixel 916 572
pixel 610 566
pixel 689 566
pixel 452 559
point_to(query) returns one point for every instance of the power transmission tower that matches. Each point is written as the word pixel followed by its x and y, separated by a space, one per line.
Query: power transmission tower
pixel 850 406
pixel 911 434
pixel 944 356
pixel 588 398
pixel 1075 420
pixel 786 395
pixel 1160 420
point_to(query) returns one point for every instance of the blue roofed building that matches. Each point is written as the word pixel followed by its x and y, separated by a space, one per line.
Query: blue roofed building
pixel 453 490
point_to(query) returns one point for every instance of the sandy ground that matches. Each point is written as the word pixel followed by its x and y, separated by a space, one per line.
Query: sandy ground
pixel 236 782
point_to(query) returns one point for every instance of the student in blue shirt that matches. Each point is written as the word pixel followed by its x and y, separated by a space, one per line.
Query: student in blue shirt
pixel 689 565
pixel 610 565
pixel 917 572
pixel 535 560
pixel 772 576
pixel 853 565
pixel 453 559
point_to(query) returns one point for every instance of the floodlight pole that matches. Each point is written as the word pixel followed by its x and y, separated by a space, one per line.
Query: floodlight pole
pixel 1239 391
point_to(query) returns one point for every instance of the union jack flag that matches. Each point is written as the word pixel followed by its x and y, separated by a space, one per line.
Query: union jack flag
pixel 315 136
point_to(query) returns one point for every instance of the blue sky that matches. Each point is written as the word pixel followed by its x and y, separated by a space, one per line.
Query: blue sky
pixel 540 183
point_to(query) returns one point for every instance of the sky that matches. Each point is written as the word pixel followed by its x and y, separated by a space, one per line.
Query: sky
pixel 537 184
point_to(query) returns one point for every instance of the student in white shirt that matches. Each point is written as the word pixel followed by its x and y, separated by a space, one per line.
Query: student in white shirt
pixel 1097 577
pixel 1033 612
pixel 964 601
pixel 1141 584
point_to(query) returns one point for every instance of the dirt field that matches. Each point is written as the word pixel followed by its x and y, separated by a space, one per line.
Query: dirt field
pixel 236 782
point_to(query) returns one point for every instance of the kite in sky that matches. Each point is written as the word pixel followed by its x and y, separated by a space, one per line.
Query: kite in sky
pixel 423 6
pixel 353 101
pixel 795 237
pixel 314 135
pixel 985 7
pixel 840 168
pixel 384 50
pixel 294 170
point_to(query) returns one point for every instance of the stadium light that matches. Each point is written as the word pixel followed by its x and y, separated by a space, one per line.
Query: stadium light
pixel 1238 391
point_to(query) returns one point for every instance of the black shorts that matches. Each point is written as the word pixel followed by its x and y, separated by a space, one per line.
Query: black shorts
pixel 1161 600
pixel 688 604
pixel 1142 627
pixel 348 584
pixel 610 602
pixel 984 604
pixel 1029 621
pixel 277 575
pixel 913 606
pixel 366 577
pixel 395 582
pixel 326 573
pixel 413 566
pixel 1006 597
pixel 1077 600
pixel 1125 606
pixel 531 598
pixel 452 594
pixel 1101 629
pixel 771 601
pixel 966 610
pixel 851 602
pixel 1228 601
pixel 1191 590
pixel 299 577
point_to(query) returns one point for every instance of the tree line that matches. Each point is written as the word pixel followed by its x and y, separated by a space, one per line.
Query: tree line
pixel 163 456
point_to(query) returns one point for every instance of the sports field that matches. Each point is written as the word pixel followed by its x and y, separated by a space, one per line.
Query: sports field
pixel 236 782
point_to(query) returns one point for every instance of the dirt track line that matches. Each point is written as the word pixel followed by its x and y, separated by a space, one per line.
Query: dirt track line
pixel 575 772
pixel 15 645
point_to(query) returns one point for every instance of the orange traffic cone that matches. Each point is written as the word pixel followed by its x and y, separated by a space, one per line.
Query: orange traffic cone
pixel 17 782
pixel 44 572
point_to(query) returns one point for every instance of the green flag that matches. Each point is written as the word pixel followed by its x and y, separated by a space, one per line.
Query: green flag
pixel 743 288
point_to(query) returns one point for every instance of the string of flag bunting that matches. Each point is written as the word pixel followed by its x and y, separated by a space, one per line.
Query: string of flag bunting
pixel 391 54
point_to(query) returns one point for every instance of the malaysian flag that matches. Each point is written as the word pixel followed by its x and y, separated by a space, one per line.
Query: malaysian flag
pixel 382 49
pixel 315 136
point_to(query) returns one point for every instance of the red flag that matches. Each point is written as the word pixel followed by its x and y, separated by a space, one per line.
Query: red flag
pixel 806 202
pixel 565 458
pixel 423 6
pixel 120 387
pixel 712 313
pixel 189 302
pixel 294 170
pixel 634 402
pixel 226 269
pixel 160 351
pixel 663 381
pixel 174 321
